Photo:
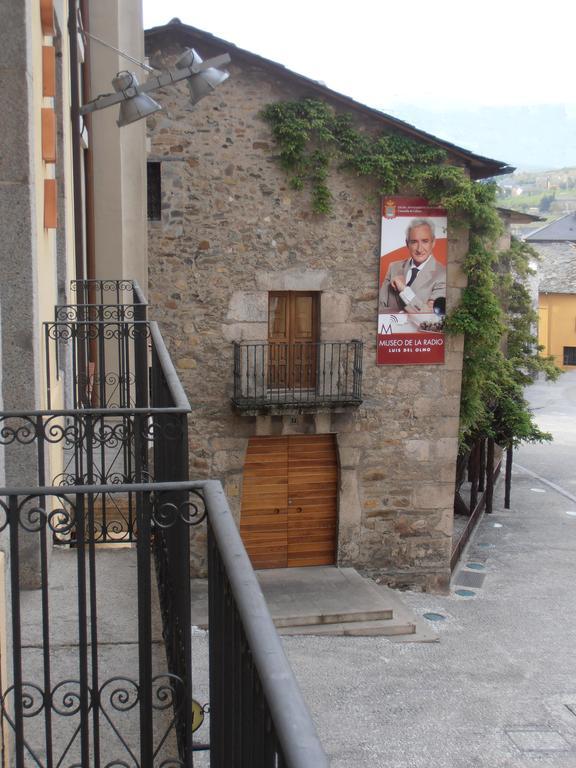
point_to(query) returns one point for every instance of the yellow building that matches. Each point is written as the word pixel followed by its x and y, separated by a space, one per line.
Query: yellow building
pixel 557 327
pixel 556 244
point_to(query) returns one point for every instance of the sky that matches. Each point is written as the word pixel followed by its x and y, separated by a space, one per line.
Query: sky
pixel 440 55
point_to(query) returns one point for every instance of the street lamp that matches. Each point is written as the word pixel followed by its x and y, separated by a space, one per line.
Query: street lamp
pixel 137 105
pixel 203 84
pixel 203 77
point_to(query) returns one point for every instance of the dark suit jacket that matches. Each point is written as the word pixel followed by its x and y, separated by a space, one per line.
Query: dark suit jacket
pixel 430 283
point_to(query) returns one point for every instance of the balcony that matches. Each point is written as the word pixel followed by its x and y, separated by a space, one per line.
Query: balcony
pixel 284 378
pixel 111 500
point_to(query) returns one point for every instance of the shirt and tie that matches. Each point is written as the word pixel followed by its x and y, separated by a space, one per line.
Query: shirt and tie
pixel 415 271
pixel 411 274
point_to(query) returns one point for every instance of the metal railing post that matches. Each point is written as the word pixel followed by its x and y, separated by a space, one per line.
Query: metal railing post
pixel 171 464
pixel 482 465
pixel 489 475
pixel 508 479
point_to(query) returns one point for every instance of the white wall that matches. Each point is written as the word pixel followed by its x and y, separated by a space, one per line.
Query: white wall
pixel 119 153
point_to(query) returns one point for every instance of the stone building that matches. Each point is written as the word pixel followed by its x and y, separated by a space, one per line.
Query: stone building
pixel 241 273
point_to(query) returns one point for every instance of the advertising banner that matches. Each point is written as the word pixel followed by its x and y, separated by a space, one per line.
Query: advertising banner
pixel 412 297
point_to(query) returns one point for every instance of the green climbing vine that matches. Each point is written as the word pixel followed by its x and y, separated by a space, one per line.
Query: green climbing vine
pixel 501 355
pixel 495 313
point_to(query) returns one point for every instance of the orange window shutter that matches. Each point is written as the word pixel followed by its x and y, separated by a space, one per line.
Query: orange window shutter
pixel 48 71
pixel 50 204
pixel 48 135
pixel 47 17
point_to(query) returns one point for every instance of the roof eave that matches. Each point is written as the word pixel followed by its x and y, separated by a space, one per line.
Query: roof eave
pixel 519 217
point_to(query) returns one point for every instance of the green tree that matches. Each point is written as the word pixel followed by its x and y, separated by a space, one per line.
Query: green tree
pixel 546 203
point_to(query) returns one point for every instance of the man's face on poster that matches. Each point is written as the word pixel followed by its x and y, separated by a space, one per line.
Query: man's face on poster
pixel 420 242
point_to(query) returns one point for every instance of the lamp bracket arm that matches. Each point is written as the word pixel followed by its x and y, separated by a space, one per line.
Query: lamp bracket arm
pixel 153 83
pixel 126 56
pixel 175 75
pixel 101 102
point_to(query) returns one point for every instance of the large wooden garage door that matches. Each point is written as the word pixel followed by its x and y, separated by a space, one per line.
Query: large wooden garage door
pixel 289 497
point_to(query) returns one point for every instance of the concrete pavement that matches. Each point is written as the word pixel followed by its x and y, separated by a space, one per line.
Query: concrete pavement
pixel 554 405
pixel 499 689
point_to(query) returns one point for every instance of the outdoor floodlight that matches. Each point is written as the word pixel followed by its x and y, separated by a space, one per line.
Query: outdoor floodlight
pixel 136 106
pixel 203 83
pixel 203 77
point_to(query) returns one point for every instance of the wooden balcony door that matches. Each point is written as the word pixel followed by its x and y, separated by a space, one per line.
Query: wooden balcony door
pixel 293 320
pixel 289 501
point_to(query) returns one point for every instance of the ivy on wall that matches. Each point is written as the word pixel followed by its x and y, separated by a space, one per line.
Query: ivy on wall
pixel 495 309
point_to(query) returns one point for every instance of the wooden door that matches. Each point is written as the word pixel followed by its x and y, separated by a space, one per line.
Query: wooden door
pixel 292 339
pixel 264 515
pixel 312 499
pixel 289 501
pixel 278 339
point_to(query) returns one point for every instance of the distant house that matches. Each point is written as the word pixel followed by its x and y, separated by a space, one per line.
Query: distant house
pixel 516 224
pixel 556 244
pixel 244 276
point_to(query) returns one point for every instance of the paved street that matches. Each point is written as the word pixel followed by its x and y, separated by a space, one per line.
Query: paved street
pixel 499 689
pixel 555 408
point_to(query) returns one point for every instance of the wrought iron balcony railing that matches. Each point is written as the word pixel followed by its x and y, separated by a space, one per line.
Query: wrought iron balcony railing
pixel 99 710
pixel 108 292
pixel 69 700
pixel 307 375
pixel 113 469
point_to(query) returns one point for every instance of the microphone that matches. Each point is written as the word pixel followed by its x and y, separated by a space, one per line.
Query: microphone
pixel 439 306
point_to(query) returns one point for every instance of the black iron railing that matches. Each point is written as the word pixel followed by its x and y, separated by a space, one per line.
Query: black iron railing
pixel 257 714
pixel 70 700
pixel 271 375
pixel 140 433
pixel 107 359
pixel 476 473
pixel 98 312
pixel 113 469
pixel 108 292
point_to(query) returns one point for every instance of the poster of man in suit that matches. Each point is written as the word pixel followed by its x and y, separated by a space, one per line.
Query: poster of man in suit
pixel 412 295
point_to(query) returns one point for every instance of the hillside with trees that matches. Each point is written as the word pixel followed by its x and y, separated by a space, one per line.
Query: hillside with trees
pixel 549 194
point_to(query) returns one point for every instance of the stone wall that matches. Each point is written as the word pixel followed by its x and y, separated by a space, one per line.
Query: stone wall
pixel 232 230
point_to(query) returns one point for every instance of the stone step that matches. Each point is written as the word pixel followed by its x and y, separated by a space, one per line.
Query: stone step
pixel 321 595
pixel 326 600
pixel 388 628
pixel 364 603
pixel 303 620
